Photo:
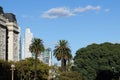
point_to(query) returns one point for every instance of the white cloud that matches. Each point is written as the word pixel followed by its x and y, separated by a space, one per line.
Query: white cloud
pixel 58 12
pixel 87 8
pixel 26 16
pixel 66 12
pixel 107 10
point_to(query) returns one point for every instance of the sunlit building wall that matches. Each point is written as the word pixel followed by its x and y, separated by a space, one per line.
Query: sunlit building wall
pixel 13 37
pixel 3 35
pixel 9 36
pixel 26 43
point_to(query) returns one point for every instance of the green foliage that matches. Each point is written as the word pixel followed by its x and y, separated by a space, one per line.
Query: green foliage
pixel 97 59
pixel 69 76
pixel 25 69
pixel 5 72
pixel 36 47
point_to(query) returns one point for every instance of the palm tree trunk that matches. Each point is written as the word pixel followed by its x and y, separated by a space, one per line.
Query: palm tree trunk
pixel 35 76
pixel 63 65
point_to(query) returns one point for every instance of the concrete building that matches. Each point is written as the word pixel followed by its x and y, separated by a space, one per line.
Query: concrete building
pixel 13 37
pixel 26 42
pixel 9 36
pixel 46 56
pixel 3 36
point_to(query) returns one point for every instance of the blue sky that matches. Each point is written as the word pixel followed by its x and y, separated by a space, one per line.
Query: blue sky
pixel 80 22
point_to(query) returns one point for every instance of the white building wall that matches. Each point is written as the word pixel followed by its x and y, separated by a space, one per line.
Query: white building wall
pixel 13 41
pixel 23 49
pixel 10 46
pixel 9 36
pixel 2 43
pixel 26 43
pixel 3 36
pixel 50 59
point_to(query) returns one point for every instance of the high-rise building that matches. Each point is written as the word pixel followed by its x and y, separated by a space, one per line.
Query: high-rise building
pixel 46 56
pixel 9 36
pixel 26 43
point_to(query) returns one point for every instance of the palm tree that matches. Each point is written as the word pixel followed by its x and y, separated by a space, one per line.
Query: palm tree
pixel 36 47
pixel 62 52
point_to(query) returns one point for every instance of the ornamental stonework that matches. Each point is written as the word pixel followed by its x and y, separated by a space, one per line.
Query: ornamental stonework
pixel 15 47
pixel 9 43
pixel 2 43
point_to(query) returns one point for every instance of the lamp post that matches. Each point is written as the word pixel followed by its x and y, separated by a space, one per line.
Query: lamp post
pixel 12 69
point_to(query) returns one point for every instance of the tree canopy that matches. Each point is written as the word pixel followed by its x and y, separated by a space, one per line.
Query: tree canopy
pixel 71 75
pixel 24 70
pixel 36 47
pixel 98 61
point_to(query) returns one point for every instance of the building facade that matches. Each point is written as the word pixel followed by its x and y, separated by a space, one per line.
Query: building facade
pixel 46 56
pixel 3 36
pixel 9 36
pixel 26 43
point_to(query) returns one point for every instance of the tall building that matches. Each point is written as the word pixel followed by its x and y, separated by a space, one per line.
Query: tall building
pixel 26 43
pixel 9 36
pixel 46 56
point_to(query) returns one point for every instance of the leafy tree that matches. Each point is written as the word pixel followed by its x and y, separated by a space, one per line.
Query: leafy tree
pixel 69 65
pixel 5 72
pixel 36 47
pixel 98 61
pixel 62 52
pixel 25 70
pixel 55 70
pixel 69 76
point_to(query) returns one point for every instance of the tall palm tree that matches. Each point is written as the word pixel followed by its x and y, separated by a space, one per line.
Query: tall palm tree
pixel 62 52
pixel 36 47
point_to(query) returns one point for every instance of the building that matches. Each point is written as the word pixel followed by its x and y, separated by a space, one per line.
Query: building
pixel 3 36
pixel 26 43
pixel 13 37
pixel 9 36
pixel 46 56
pixel 20 50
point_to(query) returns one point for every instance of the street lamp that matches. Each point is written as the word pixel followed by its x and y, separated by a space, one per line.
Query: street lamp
pixel 12 69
